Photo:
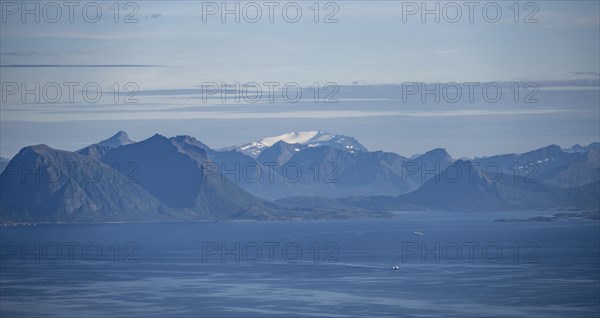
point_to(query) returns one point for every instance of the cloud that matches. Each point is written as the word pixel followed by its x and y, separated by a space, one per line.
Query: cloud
pixel 30 53
pixel 154 16
pixel 169 114
pixel 77 65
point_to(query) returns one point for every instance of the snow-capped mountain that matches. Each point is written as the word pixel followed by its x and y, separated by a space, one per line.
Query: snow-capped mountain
pixel 314 138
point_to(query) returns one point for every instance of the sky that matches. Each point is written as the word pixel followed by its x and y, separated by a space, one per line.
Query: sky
pixel 172 50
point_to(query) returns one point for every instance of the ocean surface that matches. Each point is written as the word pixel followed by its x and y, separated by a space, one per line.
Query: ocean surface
pixel 463 265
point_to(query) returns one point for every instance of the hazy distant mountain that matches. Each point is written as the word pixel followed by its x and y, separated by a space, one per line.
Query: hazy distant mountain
pixel 462 187
pixel 99 149
pixel 313 138
pixel 579 148
pixel 316 171
pixel 550 165
pixel 280 152
pixel 379 173
pixel 48 185
pixel 330 172
pixel 427 165
pixel 573 174
pixel 258 178
pixel 457 185
pixel 550 154
pixel 438 155
pixel 323 171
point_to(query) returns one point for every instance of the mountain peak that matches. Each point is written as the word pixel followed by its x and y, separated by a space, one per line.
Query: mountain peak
pixel 186 138
pixel 297 137
pixel 553 147
pixel 438 151
pixel 279 152
pixel 39 147
pixel 580 148
pixel 182 140
pixel 436 155
pixel 119 139
pixel 158 138
pixel 550 151
pixel 191 146
pixel 281 143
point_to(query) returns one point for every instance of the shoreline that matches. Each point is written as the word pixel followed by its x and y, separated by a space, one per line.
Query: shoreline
pixel 559 214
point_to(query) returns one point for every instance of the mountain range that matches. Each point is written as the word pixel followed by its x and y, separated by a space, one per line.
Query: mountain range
pixel 302 175
pixel 473 190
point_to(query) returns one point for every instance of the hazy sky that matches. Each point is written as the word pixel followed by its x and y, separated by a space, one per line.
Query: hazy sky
pixel 172 52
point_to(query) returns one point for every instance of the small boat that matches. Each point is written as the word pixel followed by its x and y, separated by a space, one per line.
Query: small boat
pixel 417 233
pixel 395 267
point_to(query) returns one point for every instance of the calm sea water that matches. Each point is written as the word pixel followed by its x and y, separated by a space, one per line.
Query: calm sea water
pixel 464 265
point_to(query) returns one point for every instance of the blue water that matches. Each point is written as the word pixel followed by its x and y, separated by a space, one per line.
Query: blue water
pixel 344 269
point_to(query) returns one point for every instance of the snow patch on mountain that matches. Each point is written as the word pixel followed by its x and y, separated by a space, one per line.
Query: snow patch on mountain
pixel 313 138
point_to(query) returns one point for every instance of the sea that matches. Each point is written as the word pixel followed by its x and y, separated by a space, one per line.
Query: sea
pixel 415 264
